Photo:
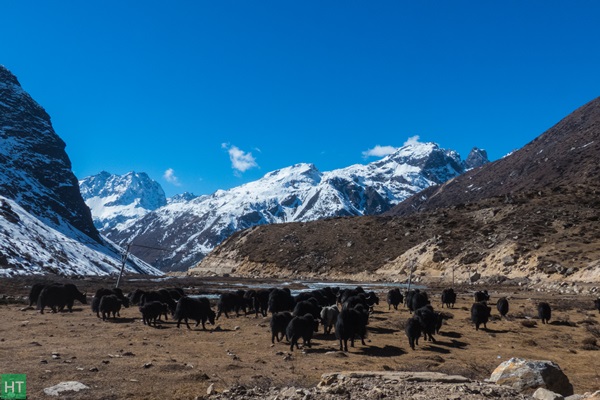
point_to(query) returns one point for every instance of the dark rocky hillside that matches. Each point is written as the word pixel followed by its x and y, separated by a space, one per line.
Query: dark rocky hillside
pixel 35 170
pixel 566 155
pixel 531 215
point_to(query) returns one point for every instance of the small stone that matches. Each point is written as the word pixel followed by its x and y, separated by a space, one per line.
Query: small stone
pixel 211 389
pixel 148 365
pixel 105 362
pixel 94 369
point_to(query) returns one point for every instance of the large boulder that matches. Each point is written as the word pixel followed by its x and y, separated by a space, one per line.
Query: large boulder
pixel 61 388
pixel 528 375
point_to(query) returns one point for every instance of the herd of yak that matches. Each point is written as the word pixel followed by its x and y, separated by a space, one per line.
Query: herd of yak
pixel 294 317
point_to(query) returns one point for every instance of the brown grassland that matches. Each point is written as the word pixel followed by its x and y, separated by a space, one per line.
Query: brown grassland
pixel 124 359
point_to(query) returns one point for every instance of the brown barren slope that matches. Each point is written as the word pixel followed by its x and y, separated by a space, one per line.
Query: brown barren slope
pixel 125 359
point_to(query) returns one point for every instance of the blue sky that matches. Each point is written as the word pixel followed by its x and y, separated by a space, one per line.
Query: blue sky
pixel 172 88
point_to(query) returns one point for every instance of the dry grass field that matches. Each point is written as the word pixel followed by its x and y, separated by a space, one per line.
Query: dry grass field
pixel 124 359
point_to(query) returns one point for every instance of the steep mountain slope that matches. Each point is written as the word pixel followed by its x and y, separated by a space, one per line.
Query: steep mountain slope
pixel 45 226
pixel 180 234
pixel 35 169
pixel 118 200
pixel 533 214
pixel 28 246
pixel 565 155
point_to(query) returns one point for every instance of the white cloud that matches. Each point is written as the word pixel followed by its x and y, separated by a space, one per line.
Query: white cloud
pixel 412 140
pixel 379 151
pixel 240 160
pixel 170 177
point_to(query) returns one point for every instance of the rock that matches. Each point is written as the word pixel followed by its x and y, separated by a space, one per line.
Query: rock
pixel 523 375
pixel 545 394
pixel 475 277
pixel 592 396
pixel 508 261
pixel 575 397
pixel 211 389
pixel 69 386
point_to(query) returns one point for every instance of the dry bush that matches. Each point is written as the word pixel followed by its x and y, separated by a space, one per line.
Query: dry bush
pixel 594 330
pixel 589 343
pixel 563 322
pixel 529 323
pixel 587 321
pixel 446 315
pixel 401 324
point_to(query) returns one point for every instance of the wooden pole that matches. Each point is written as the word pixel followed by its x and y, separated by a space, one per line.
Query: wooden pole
pixel 412 267
pixel 123 262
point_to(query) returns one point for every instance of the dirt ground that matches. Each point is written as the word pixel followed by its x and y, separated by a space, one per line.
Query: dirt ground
pixel 125 359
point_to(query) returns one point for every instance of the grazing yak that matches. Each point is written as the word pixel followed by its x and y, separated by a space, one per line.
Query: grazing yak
pixel 394 298
pixel 229 302
pixel 57 297
pixel 35 291
pixel 329 316
pixel 197 309
pixel 152 310
pixel 481 296
pixel 350 323
pixel 110 304
pixel 300 327
pixel 280 300
pixel 448 298
pixel 413 331
pixel 502 306
pixel 480 314
pixel 544 312
pixel 107 292
pixel 279 323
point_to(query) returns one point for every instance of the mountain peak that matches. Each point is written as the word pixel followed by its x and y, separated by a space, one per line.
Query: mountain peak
pixel 7 77
pixel 118 200
pixel 476 158
pixel 299 192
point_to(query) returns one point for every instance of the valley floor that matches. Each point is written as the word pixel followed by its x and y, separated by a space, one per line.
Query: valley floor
pixel 125 359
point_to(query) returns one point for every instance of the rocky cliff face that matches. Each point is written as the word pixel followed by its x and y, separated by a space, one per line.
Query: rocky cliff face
pixel 45 226
pixel 179 234
pixel 35 170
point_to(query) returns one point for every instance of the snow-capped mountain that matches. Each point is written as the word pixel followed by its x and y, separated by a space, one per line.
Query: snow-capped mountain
pixel 180 234
pixel 118 200
pixel 45 226
pixel 28 245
